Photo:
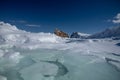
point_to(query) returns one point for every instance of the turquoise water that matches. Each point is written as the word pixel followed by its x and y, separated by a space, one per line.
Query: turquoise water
pixel 49 64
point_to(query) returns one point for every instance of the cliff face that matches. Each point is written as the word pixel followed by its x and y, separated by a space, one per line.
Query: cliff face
pixel 79 35
pixel 75 35
pixel 61 33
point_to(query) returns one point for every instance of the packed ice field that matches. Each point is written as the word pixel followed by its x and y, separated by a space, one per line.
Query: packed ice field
pixel 45 56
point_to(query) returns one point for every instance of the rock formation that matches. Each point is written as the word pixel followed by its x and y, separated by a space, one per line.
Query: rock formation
pixel 61 33
pixel 75 35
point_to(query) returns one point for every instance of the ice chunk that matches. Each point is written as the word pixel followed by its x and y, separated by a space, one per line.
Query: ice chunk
pixel 38 71
pixel 3 78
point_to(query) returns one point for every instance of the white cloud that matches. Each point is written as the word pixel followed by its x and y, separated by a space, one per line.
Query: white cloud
pixel 116 20
pixel 33 25
pixel 18 21
pixel 25 23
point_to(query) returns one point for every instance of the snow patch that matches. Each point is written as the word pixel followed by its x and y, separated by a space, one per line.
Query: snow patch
pixel 83 34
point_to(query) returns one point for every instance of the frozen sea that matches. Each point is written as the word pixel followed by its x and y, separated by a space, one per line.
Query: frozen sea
pixel 44 56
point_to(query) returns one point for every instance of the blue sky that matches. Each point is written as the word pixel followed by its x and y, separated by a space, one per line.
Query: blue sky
pixel 88 16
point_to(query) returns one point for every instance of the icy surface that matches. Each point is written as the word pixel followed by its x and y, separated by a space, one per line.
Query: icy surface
pixel 44 56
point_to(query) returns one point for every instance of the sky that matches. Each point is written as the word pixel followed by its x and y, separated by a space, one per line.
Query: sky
pixel 86 16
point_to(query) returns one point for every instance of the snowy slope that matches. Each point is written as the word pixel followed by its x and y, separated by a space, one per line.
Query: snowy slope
pixel 10 34
pixel 108 33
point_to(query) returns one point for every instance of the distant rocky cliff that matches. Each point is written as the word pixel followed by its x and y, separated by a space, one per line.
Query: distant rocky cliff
pixel 61 33
pixel 79 35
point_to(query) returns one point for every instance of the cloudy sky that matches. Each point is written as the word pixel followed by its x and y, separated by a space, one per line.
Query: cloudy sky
pixel 88 16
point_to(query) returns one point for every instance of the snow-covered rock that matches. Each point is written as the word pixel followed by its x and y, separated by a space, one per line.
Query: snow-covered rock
pixel 79 35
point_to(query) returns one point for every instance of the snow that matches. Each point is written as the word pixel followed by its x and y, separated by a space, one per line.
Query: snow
pixel 10 34
pixel 83 34
pixel 79 35
pixel 22 53
pixel 108 33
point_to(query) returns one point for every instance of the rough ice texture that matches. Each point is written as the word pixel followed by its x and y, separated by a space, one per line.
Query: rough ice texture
pixel 21 53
